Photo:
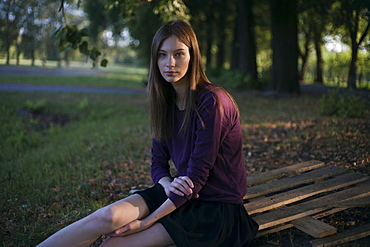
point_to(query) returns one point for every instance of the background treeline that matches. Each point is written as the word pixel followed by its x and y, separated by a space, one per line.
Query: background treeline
pixel 245 43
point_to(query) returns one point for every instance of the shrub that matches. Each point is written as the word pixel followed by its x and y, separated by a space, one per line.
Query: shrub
pixel 36 106
pixel 347 106
pixel 239 80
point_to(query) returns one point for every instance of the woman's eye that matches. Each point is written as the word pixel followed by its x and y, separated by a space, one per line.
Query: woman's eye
pixel 162 54
pixel 178 54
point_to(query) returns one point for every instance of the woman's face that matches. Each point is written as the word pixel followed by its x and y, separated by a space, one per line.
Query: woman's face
pixel 173 60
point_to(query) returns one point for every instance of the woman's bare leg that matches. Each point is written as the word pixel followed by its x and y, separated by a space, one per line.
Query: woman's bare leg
pixel 155 236
pixel 105 220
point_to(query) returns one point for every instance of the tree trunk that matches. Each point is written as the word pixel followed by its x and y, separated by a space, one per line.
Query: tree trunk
pixel 247 47
pixel 221 22
pixel 209 50
pixel 18 54
pixel 66 58
pixel 319 60
pixel 7 36
pixel 284 72
pixel 353 66
pixel 209 38
pixel 235 50
pixel 304 57
pixel 33 57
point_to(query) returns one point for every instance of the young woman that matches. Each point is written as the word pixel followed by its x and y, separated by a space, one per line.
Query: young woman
pixel 196 125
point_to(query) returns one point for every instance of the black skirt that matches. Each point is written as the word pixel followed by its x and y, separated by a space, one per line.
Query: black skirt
pixel 204 224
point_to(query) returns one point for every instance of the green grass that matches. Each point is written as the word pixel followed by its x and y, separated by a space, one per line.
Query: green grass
pixel 56 174
pixel 113 76
pixel 52 176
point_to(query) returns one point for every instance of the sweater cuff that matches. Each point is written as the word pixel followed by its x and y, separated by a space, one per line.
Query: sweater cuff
pixel 179 200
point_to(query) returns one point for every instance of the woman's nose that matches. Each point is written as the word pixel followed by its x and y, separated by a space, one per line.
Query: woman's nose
pixel 170 61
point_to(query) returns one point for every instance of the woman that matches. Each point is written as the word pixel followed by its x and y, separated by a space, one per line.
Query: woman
pixel 196 125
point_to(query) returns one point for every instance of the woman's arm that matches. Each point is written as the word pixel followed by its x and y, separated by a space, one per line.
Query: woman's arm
pixel 180 186
pixel 166 182
pixel 139 225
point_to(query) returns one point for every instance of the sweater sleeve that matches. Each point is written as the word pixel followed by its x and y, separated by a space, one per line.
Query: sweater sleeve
pixel 160 157
pixel 206 146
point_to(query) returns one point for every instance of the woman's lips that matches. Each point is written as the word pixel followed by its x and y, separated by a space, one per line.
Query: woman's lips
pixel 170 73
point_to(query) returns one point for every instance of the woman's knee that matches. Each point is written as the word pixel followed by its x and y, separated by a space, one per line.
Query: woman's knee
pixel 105 216
pixel 120 213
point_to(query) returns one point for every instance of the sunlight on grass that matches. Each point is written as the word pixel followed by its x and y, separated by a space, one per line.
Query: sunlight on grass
pixel 113 76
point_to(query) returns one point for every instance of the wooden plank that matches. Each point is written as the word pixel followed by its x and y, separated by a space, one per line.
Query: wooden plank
pixel 346 236
pixel 304 178
pixel 286 214
pixel 327 212
pixel 315 228
pixel 273 229
pixel 285 198
pixel 285 171
pixel 358 202
pixel 284 226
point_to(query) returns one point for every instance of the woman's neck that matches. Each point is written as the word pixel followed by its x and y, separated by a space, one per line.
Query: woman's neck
pixel 181 95
pixel 181 100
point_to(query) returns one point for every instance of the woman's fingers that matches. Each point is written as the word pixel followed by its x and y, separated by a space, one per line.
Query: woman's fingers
pixel 182 186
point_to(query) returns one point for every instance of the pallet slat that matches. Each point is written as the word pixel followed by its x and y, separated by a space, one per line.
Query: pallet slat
pixel 346 236
pixel 272 202
pixel 315 228
pixel 358 202
pixel 308 177
pixel 285 171
pixel 284 226
pixel 286 214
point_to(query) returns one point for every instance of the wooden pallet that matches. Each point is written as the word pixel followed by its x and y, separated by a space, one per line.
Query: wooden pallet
pixel 299 195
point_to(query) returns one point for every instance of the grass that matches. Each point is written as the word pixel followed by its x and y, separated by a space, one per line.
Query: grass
pixel 80 152
pixel 113 76
pixel 48 175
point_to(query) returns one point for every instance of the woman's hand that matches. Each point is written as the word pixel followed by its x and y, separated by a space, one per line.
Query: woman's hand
pixel 182 186
pixel 131 228
pixel 140 225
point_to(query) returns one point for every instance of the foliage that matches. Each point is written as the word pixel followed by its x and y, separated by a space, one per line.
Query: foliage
pixel 26 28
pixel 354 17
pixel 36 107
pixel 346 106
pixel 235 79
pixel 172 9
pixel 71 36
pixel 136 14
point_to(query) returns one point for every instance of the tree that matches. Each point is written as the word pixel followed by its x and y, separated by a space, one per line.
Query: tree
pixel 354 17
pixel 284 71
pixel 97 16
pixel 31 35
pixel 245 39
pixel 11 11
pixel 312 21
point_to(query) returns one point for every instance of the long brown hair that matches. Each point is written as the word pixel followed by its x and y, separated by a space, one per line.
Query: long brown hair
pixel 161 93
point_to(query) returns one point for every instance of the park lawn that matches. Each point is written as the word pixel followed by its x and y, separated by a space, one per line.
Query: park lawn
pixel 110 77
pixel 80 152
pixel 52 175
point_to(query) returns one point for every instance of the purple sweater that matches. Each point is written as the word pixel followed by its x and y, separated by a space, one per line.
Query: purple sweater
pixel 212 156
